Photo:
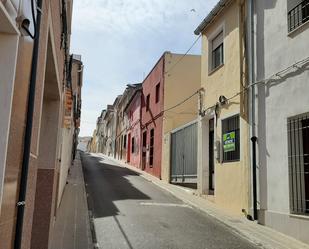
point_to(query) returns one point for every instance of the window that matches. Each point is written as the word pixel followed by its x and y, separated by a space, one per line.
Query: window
pixel 157 93
pixel 147 102
pixel 298 13
pixel 133 145
pixel 151 147
pixel 298 163
pixel 125 142
pixel 217 51
pixel 230 139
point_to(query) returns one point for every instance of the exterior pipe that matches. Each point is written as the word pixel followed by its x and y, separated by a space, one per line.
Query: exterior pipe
pixel 250 54
pixel 28 132
pixel 254 194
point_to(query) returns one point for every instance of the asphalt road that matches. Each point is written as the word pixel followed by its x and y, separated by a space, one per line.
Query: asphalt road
pixel 131 212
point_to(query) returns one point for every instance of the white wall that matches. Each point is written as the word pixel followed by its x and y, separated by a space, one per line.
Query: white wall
pixel 286 96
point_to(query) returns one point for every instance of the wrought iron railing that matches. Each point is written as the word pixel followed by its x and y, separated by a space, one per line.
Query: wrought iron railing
pixel 298 15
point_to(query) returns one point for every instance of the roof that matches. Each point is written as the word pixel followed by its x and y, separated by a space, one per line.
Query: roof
pixel 133 96
pixel 211 16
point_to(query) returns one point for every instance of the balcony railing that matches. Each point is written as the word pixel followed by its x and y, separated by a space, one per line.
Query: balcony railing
pixel 298 15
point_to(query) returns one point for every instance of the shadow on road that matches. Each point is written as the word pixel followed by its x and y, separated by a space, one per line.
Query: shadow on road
pixel 107 183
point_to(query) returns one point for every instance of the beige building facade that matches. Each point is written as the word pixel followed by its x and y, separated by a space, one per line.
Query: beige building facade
pixel 223 129
pixel 184 78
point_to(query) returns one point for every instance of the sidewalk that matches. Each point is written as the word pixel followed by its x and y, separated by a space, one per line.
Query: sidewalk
pixel 72 227
pixel 260 235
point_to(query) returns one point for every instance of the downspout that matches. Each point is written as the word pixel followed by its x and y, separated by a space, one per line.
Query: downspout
pixel 250 52
pixel 28 132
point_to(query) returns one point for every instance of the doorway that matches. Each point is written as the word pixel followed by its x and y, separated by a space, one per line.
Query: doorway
pixel 211 137
pixel 129 148
pixel 144 150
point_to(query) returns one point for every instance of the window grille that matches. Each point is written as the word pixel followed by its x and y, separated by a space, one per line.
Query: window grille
pixel 298 163
pixel 231 139
pixel 298 15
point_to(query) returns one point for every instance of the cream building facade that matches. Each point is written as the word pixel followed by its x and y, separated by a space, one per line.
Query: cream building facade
pixel 184 78
pixel 223 129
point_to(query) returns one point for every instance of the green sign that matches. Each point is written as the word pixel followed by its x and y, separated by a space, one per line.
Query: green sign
pixel 229 141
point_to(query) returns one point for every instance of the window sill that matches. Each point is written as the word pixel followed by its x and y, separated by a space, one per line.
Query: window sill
pixel 300 216
pixel 215 69
pixel 296 30
pixel 231 161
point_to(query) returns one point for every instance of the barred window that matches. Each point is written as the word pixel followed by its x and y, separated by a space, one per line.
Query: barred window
pixel 231 139
pixel 298 159
pixel 298 13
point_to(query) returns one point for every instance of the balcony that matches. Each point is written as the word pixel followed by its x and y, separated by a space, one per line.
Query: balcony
pixel 298 15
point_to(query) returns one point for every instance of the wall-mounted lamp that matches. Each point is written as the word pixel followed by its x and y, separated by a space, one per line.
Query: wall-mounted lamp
pixel 223 100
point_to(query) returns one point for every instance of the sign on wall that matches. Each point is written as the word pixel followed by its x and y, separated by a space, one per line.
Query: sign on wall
pixel 229 141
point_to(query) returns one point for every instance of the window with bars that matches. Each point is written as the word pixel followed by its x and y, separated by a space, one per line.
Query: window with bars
pixel 298 13
pixel 231 139
pixel 151 149
pixel 298 163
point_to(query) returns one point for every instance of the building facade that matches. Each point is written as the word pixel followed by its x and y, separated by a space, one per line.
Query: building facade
pixel 223 128
pixel 71 122
pixel 38 177
pixel 122 123
pixel 179 160
pixel 282 114
pixel 152 119
pixel 133 144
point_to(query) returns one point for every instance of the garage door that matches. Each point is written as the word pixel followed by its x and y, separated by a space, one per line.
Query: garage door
pixel 184 155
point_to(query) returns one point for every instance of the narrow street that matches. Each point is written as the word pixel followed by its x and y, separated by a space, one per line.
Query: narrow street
pixel 131 212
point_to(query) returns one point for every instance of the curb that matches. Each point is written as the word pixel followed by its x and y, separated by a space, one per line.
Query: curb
pixel 264 240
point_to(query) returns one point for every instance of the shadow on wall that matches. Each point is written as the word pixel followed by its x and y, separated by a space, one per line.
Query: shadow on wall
pixel 107 183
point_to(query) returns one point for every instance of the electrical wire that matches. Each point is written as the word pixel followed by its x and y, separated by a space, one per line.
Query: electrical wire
pixel 34 22
pixel 264 81
pixel 184 55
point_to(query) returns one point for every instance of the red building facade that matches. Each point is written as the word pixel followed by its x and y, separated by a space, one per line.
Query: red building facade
pixel 133 111
pixel 152 119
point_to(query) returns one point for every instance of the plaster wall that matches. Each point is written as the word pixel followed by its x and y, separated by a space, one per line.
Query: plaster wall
pixel 284 97
pixel 134 113
pixel 153 118
pixel 186 78
pixel 66 159
pixel 232 178
pixel 8 60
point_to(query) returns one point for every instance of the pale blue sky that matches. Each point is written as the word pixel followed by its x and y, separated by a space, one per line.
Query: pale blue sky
pixel 121 40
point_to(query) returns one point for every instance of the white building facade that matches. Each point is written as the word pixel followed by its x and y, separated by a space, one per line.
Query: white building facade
pixel 282 114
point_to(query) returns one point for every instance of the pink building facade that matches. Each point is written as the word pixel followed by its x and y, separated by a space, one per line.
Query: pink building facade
pixel 152 119
pixel 133 111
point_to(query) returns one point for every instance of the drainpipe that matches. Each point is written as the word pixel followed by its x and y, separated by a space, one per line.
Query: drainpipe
pixel 250 54
pixel 28 132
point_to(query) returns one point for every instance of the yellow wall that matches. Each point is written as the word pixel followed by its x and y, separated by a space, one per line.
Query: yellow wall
pixel 231 179
pixel 179 83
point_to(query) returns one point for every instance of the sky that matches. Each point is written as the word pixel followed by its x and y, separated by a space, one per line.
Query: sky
pixel 121 40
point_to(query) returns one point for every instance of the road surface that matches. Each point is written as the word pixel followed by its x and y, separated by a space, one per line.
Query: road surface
pixel 131 212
